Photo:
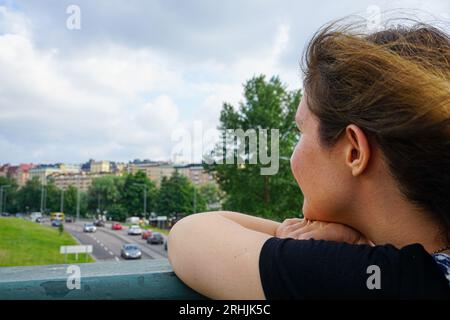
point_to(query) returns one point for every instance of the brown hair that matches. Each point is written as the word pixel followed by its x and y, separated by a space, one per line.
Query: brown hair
pixel 395 85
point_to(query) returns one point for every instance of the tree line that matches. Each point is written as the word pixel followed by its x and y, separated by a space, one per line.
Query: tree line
pixel 118 197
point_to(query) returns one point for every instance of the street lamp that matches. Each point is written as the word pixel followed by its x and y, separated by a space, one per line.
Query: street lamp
pixel 145 197
pixel 1 196
pixel 62 200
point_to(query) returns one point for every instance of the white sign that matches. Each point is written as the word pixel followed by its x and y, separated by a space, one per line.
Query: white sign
pixel 75 249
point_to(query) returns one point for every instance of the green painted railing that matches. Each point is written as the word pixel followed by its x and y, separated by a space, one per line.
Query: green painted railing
pixel 145 279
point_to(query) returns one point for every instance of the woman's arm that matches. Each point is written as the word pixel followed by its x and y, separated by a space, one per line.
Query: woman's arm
pixel 250 222
pixel 217 253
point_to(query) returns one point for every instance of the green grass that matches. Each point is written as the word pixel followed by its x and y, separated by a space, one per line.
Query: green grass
pixel 26 243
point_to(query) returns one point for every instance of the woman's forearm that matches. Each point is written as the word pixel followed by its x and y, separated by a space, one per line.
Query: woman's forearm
pixel 250 222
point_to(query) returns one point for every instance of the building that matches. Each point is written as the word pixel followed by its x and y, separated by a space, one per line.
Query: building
pixel 196 174
pixel 100 166
pixel 81 180
pixel 44 171
pixel 19 174
pixel 155 171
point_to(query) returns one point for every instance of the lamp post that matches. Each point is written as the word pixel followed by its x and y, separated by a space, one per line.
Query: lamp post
pixel 145 197
pixel 62 200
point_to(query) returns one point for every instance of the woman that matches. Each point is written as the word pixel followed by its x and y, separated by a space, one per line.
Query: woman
pixel 373 163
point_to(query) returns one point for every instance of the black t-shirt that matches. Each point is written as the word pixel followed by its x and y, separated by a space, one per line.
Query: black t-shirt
pixel 317 269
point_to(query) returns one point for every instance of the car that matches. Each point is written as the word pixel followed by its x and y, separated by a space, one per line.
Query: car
pixel 69 220
pixel 89 227
pixel 39 220
pixel 99 223
pixel 5 214
pixel 131 251
pixel 135 231
pixel 156 238
pixel 146 234
pixel 116 226
pixel 56 223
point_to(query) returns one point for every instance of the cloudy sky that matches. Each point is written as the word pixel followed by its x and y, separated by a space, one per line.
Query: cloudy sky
pixel 137 75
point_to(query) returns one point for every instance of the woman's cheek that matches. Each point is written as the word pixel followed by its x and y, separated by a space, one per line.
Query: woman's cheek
pixel 296 163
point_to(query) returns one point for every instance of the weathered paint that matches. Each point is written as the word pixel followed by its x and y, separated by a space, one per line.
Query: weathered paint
pixel 144 279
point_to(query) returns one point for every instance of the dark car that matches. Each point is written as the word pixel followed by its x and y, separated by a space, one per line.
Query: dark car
pixel 5 214
pixel 155 238
pixel 56 223
pixel 99 223
pixel 69 220
pixel 131 251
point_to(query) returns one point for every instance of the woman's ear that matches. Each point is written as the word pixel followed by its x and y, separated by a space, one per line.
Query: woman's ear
pixel 357 149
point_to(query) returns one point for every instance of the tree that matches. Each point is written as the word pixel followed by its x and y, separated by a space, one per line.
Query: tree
pixel 267 105
pixel 70 202
pixel 104 192
pixel 9 196
pixel 135 187
pixel 29 196
pixel 211 194
pixel 177 195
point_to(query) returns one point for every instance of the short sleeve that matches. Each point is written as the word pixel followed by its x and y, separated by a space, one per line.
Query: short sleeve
pixel 318 269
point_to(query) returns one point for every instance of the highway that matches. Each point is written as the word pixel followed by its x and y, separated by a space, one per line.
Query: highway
pixel 107 243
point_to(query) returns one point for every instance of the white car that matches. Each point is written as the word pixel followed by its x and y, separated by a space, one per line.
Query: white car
pixel 89 227
pixel 135 231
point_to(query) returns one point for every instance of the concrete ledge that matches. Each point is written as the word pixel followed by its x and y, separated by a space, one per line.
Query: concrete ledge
pixel 143 279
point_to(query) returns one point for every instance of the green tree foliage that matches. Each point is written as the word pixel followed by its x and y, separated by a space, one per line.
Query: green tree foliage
pixel 70 202
pixel 267 105
pixel 29 196
pixel 104 192
pixel 211 195
pixel 134 191
pixel 177 194
pixel 9 201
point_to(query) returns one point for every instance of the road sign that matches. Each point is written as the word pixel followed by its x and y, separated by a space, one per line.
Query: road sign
pixel 75 249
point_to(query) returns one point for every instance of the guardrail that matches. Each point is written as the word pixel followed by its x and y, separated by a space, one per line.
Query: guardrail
pixel 143 279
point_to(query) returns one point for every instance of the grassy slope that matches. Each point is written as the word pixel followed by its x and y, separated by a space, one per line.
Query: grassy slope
pixel 26 243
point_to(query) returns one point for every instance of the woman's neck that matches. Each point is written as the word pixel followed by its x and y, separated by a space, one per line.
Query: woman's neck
pixel 385 217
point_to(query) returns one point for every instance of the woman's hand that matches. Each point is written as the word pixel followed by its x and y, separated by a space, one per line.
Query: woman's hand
pixel 303 229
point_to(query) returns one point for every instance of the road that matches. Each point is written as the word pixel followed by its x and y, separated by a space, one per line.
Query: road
pixel 107 243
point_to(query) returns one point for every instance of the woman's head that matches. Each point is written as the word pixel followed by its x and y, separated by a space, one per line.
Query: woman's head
pixel 388 93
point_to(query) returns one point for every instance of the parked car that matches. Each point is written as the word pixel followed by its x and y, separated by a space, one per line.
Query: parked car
pixel 99 223
pixel 146 234
pixel 155 238
pixel 135 231
pixel 5 214
pixel 69 220
pixel 89 227
pixel 56 223
pixel 116 226
pixel 35 215
pixel 131 251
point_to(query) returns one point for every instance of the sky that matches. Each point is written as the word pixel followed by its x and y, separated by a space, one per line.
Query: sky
pixel 146 79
